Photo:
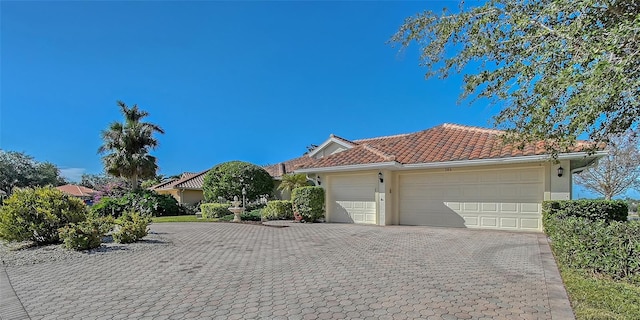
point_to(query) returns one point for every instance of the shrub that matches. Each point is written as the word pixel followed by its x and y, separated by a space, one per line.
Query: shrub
pixel 224 180
pixel 608 210
pixel 145 202
pixel 606 248
pixel 86 234
pixel 108 206
pixel 228 217
pixel 308 202
pixel 131 227
pixel 37 214
pixel 214 210
pixel 278 209
pixel 255 215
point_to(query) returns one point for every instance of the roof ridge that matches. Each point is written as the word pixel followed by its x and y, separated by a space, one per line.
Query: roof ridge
pixel 378 152
pixel 385 137
pixel 341 138
pixel 473 128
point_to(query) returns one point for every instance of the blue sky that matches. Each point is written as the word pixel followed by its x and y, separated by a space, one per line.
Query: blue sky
pixel 252 81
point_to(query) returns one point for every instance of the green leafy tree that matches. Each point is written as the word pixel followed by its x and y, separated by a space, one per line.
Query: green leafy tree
pixel 18 169
pixel 292 181
pixel 227 180
pixel 98 181
pixel 126 146
pixel 557 69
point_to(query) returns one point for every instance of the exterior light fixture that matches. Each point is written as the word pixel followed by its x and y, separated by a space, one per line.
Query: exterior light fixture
pixel 318 180
pixel 380 177
pixel 560 171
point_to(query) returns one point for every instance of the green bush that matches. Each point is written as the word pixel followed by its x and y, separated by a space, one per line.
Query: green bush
pixel 108 206
pixel 255 215
pixel 146 202
pixel 608 210
pixel 228 217
pixel 278 209
pixel 308 202
pixel 37 214
pixel 227 179
pixel 607 248
pixel 131 227
pixel 214 210
pixel 86 234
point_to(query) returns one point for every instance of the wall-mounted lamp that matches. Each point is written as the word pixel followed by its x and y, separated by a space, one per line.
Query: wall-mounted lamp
pixel 318 180
pixel 560 171
pixel 380 177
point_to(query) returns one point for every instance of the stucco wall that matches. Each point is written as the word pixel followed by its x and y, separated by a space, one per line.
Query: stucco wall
pixel 192 196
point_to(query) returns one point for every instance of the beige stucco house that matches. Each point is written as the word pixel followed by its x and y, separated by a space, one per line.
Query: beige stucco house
pixel 449 175
pixel 186 189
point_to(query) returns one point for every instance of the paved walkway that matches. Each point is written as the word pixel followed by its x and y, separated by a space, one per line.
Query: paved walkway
pixel 305 271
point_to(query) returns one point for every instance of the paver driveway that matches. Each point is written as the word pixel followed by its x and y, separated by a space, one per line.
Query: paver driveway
pixel 305 271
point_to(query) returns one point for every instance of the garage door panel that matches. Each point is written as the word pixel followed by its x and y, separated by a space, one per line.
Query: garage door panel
pixel 353 199
pixel 498 199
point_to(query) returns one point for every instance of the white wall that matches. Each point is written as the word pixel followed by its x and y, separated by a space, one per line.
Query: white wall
pixel 559 188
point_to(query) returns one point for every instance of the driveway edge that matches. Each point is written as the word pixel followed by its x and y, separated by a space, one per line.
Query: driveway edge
pixel 10 306
pixel 558 299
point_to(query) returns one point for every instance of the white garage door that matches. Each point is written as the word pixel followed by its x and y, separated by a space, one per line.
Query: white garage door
pixel 495 199
pixel 353 199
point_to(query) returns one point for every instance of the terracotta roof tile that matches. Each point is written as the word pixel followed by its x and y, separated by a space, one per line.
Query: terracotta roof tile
pixel 76 190
pixel 447 142
pixel 188 180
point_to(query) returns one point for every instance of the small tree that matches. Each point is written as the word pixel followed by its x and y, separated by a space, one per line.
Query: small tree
pixel 292 181
pixel 615 173
pixel 227 180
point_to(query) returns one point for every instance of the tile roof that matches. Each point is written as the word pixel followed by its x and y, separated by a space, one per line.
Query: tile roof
pixel 76 190
pixel 188 180
pixel 447 142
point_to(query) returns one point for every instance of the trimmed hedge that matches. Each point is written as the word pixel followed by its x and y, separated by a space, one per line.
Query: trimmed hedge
pixel 308 202
pixel 610 248
pixel 608 210
pixel 143 201
pixel 278 209
pixel 214 210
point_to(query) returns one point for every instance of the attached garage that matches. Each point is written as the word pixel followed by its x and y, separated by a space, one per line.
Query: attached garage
pixel 496 199
pixel 352 198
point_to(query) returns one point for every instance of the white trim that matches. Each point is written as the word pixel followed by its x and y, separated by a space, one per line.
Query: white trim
pixel 446 164
pixel 379 165
pixel 326 143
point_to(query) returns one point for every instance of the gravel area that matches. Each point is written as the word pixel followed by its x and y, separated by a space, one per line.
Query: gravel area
pixel 23 253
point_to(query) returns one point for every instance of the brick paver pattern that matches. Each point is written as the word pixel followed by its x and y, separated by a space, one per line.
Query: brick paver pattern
pixel 306 271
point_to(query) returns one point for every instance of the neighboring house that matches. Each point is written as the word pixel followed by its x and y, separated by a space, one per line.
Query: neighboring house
pixel 186 189
pixel 81 192
pixel 449 175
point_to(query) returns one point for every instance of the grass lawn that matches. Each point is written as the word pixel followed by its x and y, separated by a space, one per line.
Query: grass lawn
pixel 189 218
pixel 596 298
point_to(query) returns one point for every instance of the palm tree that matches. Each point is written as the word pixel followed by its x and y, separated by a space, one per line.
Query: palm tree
pixel 292 181
pixel 126 146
